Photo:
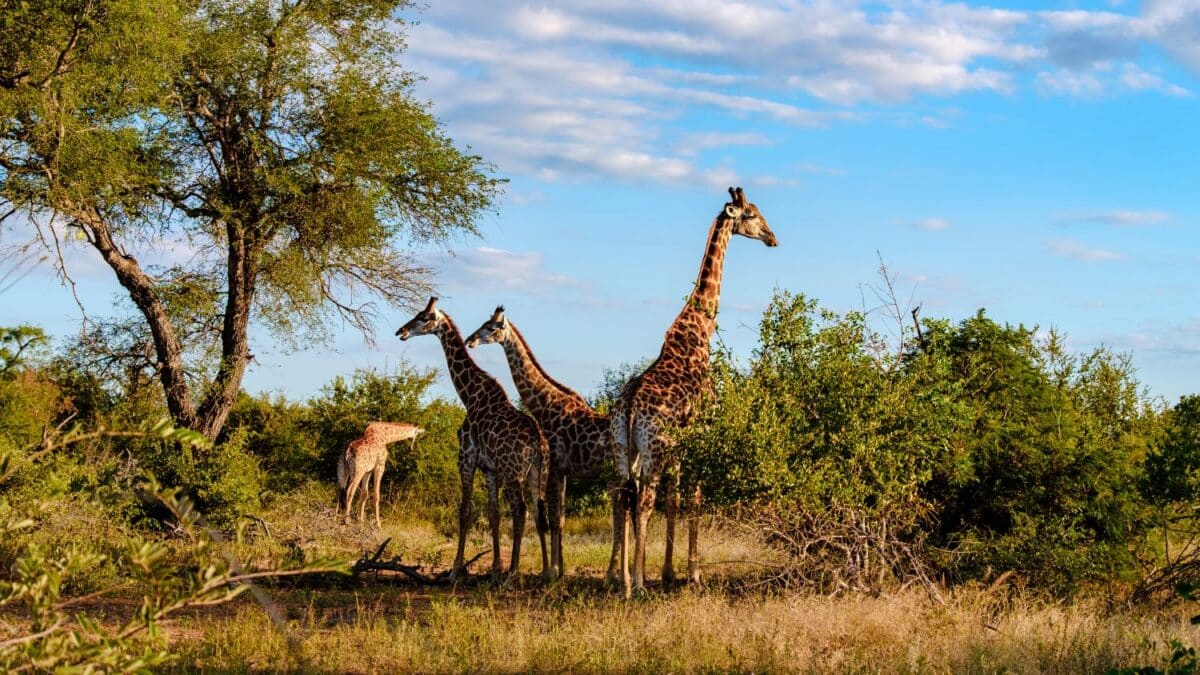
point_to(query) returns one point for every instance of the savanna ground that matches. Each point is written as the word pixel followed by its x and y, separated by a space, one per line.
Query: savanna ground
pixel 734 622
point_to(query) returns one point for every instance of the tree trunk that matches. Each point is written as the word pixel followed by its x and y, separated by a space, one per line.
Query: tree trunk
pixel 141 290
pixel 222 393
pixel 235 343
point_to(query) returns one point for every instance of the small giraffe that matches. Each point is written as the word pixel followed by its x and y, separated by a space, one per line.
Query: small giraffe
pixel 366 458
pixel 666 395
pixel 504 443
pixel 580 440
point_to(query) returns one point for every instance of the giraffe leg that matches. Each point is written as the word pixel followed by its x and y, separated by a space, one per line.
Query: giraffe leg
pixel 366 497
pixel 378 486
pixel 351 489
pixel 493 515
pixel 516 498
pixel 645 507
pixel 543 525
pixel 629 499
pixel 613 576
pixel 694 536
pixel 558 518
pixel 672 508
pixel 466 472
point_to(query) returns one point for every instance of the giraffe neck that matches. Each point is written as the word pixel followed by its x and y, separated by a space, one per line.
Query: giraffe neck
pixel 390 432
pixel 706 296
pixel 475 387
pixel 540 392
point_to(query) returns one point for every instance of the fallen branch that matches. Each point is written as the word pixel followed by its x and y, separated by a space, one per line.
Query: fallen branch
pixel 377 563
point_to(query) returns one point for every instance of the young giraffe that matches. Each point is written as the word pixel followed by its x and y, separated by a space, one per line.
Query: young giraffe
pixel 365 459
pixel 496 438
pixel 580 441
pixel 664 397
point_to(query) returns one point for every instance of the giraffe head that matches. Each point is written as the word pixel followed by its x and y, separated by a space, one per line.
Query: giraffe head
pixel 748 221
pixel 428 320
pixel 495 329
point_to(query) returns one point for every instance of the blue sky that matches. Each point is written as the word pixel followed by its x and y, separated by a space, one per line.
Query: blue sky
pixel 1034 159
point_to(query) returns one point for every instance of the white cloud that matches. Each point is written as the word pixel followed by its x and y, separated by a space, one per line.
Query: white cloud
pixel 1175 24
pixel 599 87
pixel 692 144
pixel 496 268
pixel 1069 83
pixel 931 224
pixel 1076 251
pixel 1134 78
pixel 1125 218
pixel 1180 339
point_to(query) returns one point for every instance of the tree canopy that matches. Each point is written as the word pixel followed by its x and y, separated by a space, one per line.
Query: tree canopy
pixel 279 143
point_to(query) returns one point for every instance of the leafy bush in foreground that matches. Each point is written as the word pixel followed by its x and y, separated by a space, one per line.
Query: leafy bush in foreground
pixel 60 639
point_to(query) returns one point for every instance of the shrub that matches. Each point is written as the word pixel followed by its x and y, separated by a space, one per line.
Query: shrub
pixel 429 468
pixel 1005 450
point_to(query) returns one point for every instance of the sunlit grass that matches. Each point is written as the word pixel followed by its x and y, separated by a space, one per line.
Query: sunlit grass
pixel 485 630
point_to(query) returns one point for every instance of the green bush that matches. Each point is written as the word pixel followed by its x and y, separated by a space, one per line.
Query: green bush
pixel 1007 452
pixel 428 470
pixel 225 480
pixel 280 433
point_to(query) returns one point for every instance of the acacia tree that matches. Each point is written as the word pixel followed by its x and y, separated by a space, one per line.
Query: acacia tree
pixel 278 141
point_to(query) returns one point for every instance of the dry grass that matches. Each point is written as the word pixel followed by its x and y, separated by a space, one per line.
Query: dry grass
pixel 684 632
pixel 384 627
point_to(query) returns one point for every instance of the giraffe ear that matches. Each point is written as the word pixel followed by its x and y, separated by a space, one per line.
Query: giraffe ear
pixel 739 197
pixel 498 315
pixel 733 194
pixel 431 305
pixel 732 211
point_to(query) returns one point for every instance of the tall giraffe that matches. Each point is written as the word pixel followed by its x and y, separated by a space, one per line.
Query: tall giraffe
pixel 496 438
pixel 580 440
pixel 664 397
pixel 363 462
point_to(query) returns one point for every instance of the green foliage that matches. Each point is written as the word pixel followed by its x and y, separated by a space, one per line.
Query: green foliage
pixel 60 639
pixel 226 480
pixel 1013 454
pixel 297 442
pixel 1173 467
pixel 1047 455
pixel 19 346
pixel 281 141
pixel 279 432
pixel 815 418
pixel 344 408
pixel 29 403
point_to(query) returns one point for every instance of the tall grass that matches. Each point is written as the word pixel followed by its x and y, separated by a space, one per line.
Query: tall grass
pixel 688 632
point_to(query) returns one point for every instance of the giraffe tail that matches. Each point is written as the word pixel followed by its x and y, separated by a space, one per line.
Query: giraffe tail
pixel 630 495
pixel 633 455
pixel 342 479
pixel 543 523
